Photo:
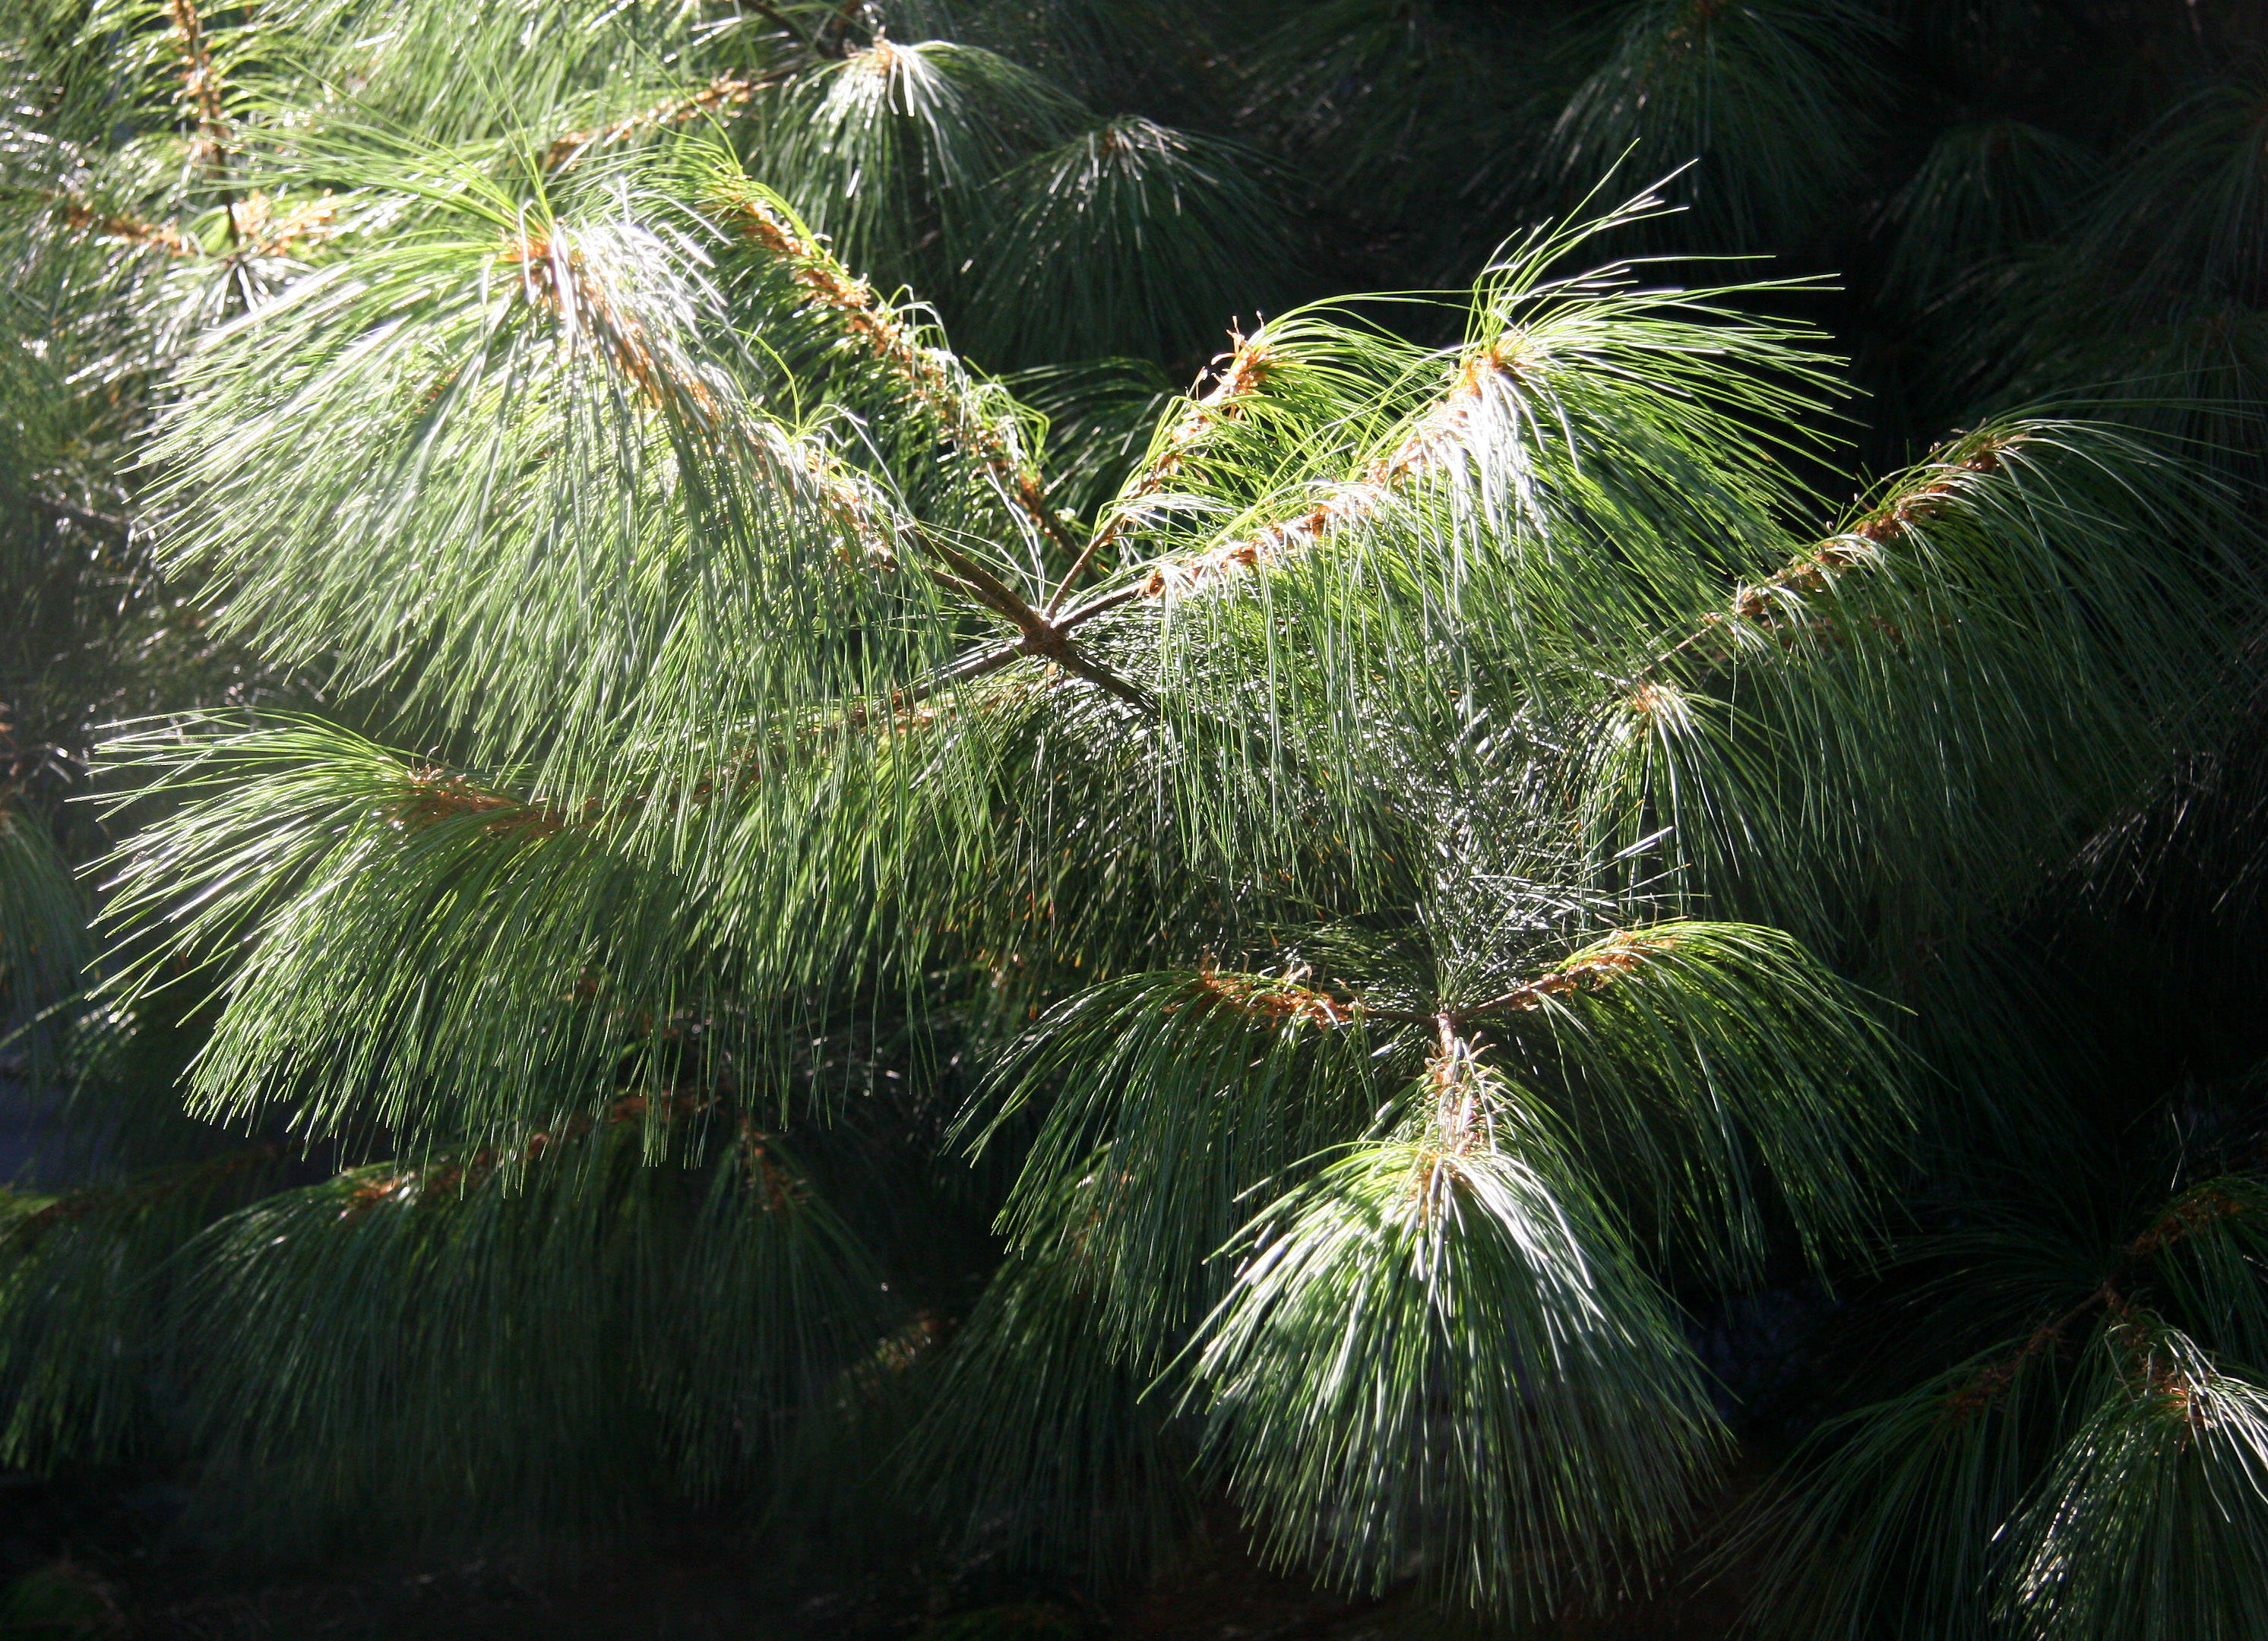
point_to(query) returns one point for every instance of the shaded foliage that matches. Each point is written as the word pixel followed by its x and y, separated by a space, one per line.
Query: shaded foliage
pixel 753 871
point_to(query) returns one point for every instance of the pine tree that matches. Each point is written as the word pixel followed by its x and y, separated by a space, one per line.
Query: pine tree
pixel 751 866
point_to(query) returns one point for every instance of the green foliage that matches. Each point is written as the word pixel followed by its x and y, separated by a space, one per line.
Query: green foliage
pixel 1380 95
pixel 43 938
pixel 2097 1474
pixel 1774 98
pixel 1985 191
pixel 646 1317
pixel 1397 882
pixel 2152 1521
pixel 89 1328
pixel 1037 1420
pixel 1131 238
pixel 892 148
pixel 1433 1352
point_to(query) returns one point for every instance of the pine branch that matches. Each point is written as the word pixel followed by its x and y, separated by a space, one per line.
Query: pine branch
pixel 2200 1209
pixel 432 796
pixel 1618 954
pixel 315 221
pixel 1130 238
pixel 1265 999
pixel 1241 376
pixel 726 90
pixel 459 1175
pixel 81 213
pixel 2150 1524
pixel 658 1315
pixel 1927 492
pixel 1405 1347
pixel 1773 95
pixel 1041 636
pixel 1424 449
pixel 870 321
pixel 105 524
pixel 202 88
pixel 161 1187
pixel 1432 444
pixel 252 232
pixel 557 279
pixel 1331 1005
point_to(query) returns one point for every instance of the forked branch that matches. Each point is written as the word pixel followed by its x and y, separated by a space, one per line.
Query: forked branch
pixel 1329 1004
pixel 1240 374
pixel 1436 441
pixel 2194 1212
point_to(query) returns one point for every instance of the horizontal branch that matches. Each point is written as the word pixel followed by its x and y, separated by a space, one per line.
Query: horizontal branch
pixel 1331 1003
pixel 86 519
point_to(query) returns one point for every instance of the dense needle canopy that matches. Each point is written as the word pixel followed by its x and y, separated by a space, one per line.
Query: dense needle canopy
pixel 748 866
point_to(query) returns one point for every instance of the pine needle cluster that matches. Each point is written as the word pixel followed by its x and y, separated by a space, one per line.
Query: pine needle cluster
pixel 773 874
